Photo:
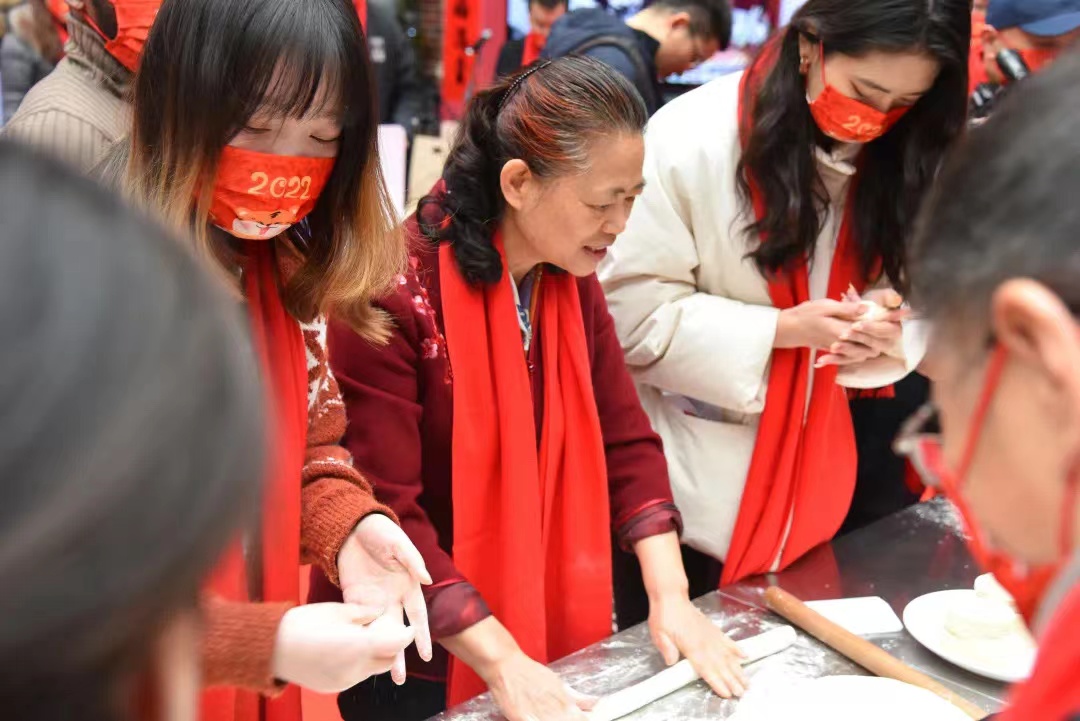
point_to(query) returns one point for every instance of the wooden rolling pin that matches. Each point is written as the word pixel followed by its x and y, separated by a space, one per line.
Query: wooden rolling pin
pixel 873 659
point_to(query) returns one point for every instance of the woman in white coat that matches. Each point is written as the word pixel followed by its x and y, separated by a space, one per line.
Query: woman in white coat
pixel 770 197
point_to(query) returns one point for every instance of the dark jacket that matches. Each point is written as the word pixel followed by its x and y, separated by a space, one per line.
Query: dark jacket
pixel 400 398
pixel 400 94
pixel 575 29
pixel 510 55
pixel 21 65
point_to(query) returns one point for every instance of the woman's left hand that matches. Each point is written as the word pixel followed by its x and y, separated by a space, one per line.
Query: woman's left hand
pixel 678 627
pixel 379 567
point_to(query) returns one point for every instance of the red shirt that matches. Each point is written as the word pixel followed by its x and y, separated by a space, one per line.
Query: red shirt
pixel 1053 691
pixel 399 401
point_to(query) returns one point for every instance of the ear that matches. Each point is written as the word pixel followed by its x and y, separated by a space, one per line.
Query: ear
pixel 1037 328
pixel 242 213
pixel 516 182
pixel 679 20
pixel 807 49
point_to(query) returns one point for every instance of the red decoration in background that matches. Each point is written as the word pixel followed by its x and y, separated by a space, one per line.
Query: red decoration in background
pixel 463 23
pixel 361 10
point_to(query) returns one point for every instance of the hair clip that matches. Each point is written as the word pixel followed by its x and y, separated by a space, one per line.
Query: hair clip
pixel 518 81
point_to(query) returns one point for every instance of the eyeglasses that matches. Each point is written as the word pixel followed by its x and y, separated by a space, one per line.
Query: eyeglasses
pixel 920 442
pixel 920 437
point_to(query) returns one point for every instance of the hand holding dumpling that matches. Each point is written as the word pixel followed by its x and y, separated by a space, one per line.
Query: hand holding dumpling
pixel 878 331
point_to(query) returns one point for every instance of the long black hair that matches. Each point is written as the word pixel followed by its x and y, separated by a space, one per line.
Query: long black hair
pixel 895 170
pixel 547 115
pixel 131 439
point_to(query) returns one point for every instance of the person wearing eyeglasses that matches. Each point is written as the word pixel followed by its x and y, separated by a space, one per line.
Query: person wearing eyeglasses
pixel 995 267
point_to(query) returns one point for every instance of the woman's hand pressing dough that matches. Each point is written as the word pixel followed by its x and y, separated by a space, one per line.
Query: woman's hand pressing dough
pixel 678 627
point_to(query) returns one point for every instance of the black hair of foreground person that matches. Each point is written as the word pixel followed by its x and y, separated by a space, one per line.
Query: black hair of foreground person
pixel 896 170
pixel 131 447
pixel 1005 207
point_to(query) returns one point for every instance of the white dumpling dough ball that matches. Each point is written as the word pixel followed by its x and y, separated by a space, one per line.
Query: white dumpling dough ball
pixel 976 618
pixel 986 586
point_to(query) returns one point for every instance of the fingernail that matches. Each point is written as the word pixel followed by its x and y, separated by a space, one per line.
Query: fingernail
pixel 857 326
pixel 845 335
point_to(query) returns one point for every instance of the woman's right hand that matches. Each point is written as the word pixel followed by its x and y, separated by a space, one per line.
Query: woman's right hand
pixel 529 691
pixel 816 323
pixel 330 647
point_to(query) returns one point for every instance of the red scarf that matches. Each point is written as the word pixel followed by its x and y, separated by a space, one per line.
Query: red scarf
pixel 532 529
pixel 534 44
pixel 1053 691
pixel 280 343
pixel 802 474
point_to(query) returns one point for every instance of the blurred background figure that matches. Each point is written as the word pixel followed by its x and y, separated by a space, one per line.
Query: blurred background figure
pixel 30 48
pixel 1013 39
pixel 516 53
pixel 130 451
pixel 668 37
pixel 401 95
pixel 80 110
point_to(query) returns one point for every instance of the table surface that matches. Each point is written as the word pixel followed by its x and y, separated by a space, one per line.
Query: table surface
pixel 917 551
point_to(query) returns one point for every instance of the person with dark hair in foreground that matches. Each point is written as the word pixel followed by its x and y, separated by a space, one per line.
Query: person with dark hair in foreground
pixel 774 198
pixel 80 110
pixel 518 53
pixel 131 451
pixel 666 38
pixel 500 420
pixel 255 181
pixel 996 268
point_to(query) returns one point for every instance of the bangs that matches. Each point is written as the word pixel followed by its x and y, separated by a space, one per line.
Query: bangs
pixel 297 56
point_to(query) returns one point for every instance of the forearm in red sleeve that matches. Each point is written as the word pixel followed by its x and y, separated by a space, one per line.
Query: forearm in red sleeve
pixel 380 387
pixel 641 501
pixel 238 644
pixel 335 496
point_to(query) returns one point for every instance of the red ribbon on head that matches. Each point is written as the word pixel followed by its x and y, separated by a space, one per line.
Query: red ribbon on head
pixel 280 344
pixel 532 529
pixel 802 473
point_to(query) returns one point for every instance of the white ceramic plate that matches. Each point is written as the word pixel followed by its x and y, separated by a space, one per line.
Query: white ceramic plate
pixel 1008 659
pixel 847 698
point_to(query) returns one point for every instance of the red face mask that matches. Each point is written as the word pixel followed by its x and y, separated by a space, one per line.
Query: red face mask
pixel 133 21
pixel 258 196
pixel 846 119
pixel 1026 584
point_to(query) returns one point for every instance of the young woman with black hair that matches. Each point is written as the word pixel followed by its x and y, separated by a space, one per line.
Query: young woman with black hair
pixel 132 446
pixel 773 198
pixel 500 420
pixel 241 111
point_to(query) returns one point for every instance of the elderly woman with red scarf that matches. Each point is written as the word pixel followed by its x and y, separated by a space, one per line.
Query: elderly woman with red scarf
pixel 500 423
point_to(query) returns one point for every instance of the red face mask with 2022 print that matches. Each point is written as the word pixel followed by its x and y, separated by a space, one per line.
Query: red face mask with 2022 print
pixel 847 119
pixel 258 196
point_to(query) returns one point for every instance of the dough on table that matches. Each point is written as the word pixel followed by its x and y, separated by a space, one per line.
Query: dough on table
pixel 976 618
pixel 845 698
